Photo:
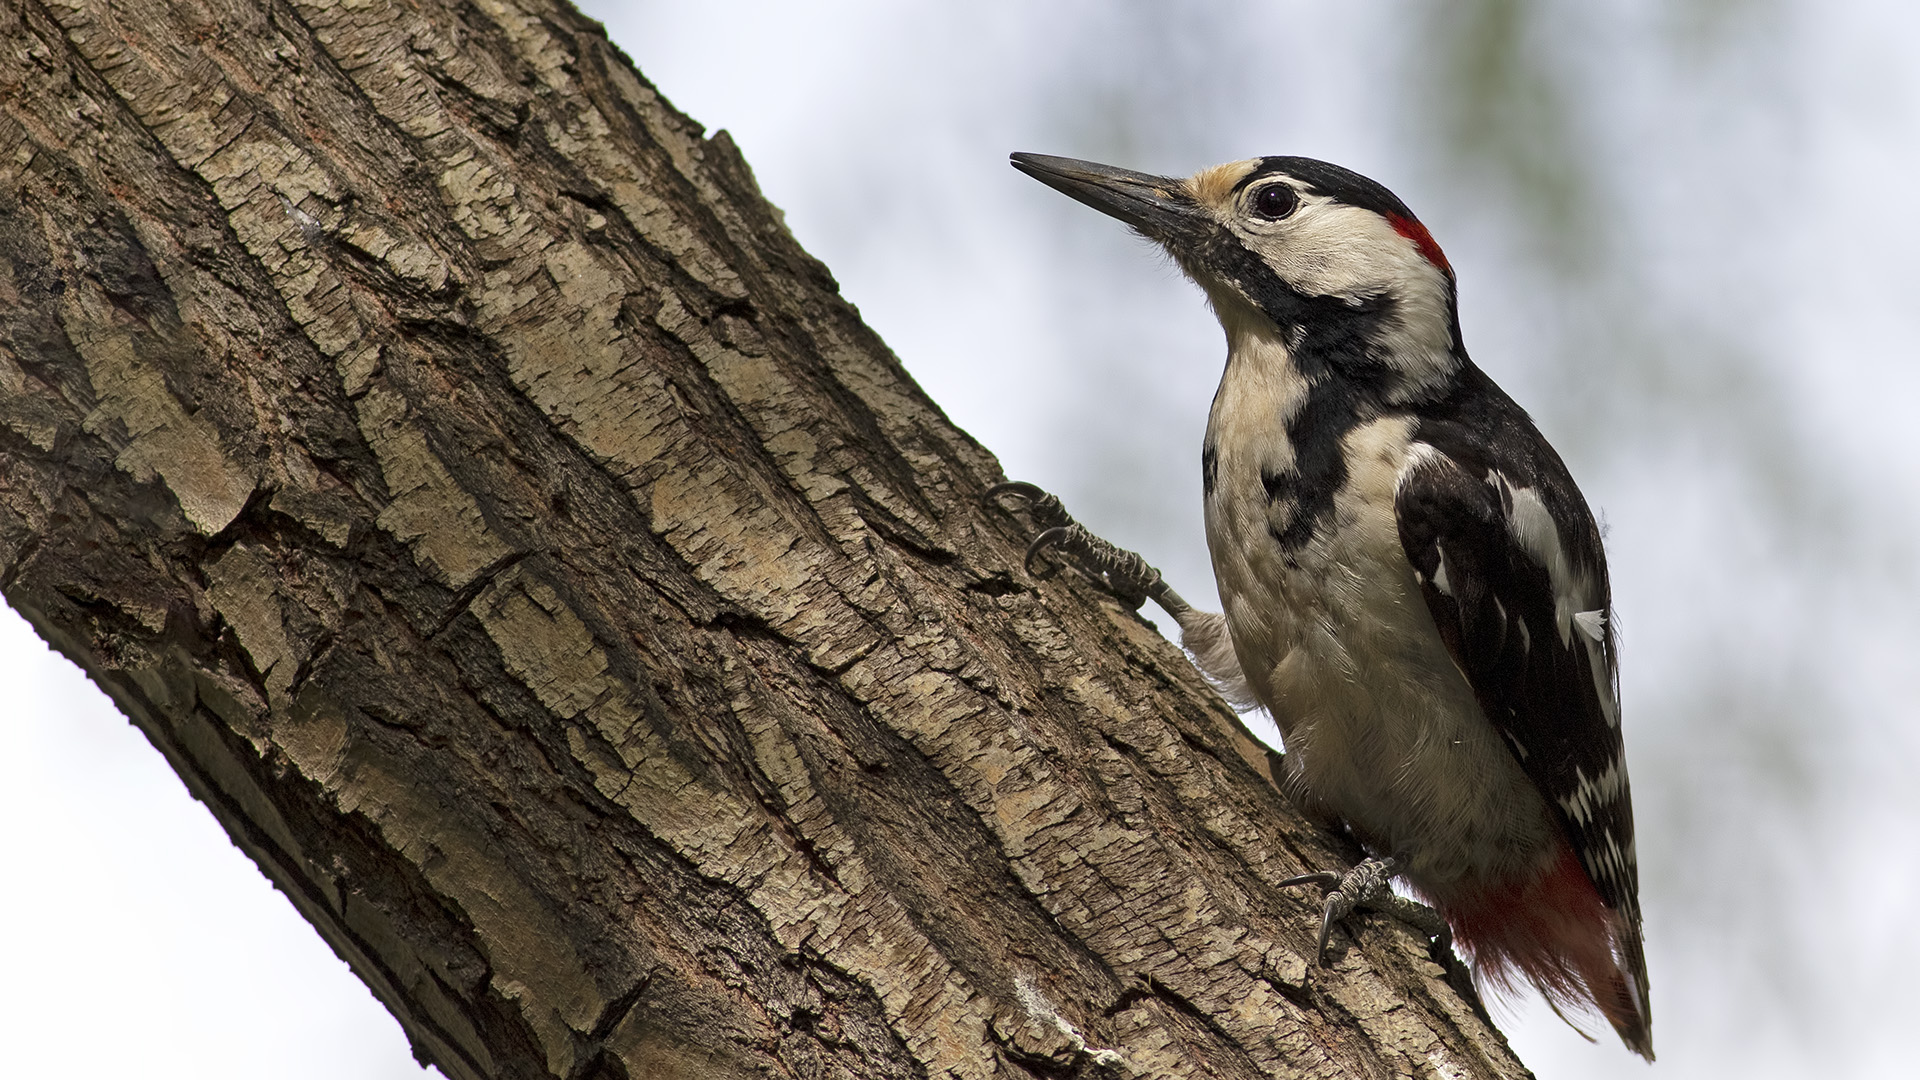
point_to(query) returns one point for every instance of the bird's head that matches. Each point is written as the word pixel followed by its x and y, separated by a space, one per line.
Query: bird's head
pixel 1311 253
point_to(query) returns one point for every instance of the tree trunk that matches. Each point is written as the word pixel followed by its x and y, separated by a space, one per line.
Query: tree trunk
pixel 447 458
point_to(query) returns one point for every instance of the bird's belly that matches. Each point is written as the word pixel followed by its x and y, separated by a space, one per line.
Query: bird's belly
pixel 1382 730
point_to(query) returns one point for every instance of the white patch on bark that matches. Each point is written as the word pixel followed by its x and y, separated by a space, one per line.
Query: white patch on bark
pixel 1042 1010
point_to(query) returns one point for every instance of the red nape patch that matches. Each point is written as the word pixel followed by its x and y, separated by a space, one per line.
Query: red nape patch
pixel 1556 933
pixel 1421 238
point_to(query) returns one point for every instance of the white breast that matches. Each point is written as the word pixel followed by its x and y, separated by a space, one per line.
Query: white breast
pixel 1381 728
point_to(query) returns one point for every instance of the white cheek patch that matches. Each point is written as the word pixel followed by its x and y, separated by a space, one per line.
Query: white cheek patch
pixel 1328 248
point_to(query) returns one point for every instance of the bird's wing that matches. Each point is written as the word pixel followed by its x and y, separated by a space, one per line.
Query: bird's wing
pixel 1509 561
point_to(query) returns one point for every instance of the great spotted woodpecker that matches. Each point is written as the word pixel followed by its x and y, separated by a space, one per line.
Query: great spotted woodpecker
pixel 1412 585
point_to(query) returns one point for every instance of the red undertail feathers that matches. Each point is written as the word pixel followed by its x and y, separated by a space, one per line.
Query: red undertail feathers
pixel 1556 933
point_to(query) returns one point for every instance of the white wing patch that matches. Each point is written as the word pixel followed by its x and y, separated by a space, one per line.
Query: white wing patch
pixel 1533 528
pixel 1593 632
pixel 1440 575
pixel 1421 455
pixel 1607 861
pixel 1418 454
pixel 1591 795
pixel 1602 682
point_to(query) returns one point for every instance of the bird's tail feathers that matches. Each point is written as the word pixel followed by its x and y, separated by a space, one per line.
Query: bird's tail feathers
pixel 1555 933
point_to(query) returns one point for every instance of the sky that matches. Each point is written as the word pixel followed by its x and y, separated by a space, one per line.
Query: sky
pixel 1682 243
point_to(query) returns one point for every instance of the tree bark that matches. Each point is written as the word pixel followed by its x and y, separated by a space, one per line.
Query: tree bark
pixel 447 458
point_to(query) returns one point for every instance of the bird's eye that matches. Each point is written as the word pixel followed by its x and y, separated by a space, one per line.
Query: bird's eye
pixel 1274 202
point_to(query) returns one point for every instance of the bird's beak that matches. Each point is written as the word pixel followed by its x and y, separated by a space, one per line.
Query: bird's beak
pixel 1158 206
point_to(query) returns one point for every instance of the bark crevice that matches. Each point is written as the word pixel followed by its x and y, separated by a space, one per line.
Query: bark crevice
pixel 441 450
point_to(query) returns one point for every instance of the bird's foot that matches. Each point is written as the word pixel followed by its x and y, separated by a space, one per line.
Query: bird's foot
pixel 1125 574
pixel 1370 886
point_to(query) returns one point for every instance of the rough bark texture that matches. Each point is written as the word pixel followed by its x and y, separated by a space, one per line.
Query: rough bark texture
pixel 448 459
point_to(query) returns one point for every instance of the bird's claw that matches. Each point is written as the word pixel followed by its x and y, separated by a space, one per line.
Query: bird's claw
pixel 1043 506
pixel 1125 574
pixel 1370 885
pixel 1058 535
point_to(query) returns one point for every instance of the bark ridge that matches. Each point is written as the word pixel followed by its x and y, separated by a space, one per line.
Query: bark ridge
pixel 442 451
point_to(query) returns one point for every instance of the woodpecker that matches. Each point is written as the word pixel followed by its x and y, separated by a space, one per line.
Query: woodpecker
pixel 1411 583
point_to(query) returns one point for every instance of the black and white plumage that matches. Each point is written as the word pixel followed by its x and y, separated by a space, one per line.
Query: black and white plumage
pixel 1411 582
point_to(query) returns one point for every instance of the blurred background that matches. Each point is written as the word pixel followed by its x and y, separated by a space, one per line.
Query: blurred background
pixel 1681 243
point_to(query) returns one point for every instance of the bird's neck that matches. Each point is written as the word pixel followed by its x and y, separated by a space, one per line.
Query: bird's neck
pixel 1392 349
